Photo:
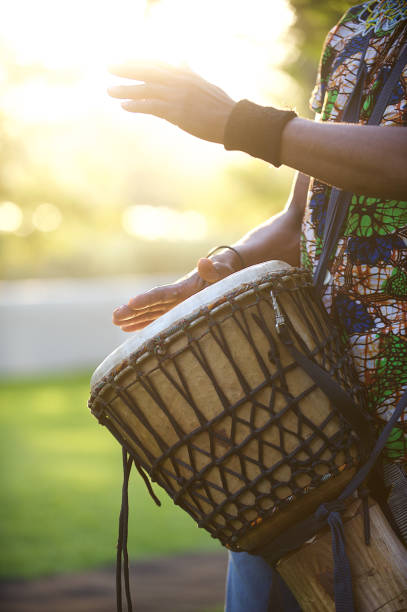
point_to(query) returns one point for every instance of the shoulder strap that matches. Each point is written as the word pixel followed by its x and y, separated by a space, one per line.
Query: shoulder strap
pixel 391 82
pixel 339 200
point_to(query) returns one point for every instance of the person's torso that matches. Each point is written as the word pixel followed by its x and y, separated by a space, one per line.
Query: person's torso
pixel 367 279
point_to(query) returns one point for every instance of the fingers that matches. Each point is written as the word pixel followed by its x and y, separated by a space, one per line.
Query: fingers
pixel 148 107
pixel 144 317
pixel 152 71
pixel 140 321
pixel 130 320
pixel 159 296
pixel 145 308
pixel 136 326
pixel 213 271
pixel 136 320
pixel 123 314
pixel 139 92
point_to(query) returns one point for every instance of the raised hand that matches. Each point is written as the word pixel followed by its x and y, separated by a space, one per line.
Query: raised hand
pixel 146 307
pixel 176 94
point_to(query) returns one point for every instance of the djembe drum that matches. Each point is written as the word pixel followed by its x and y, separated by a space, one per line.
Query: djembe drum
pixel 212 405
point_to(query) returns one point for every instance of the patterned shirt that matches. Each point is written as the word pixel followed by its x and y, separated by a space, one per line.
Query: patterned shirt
pixel 366 288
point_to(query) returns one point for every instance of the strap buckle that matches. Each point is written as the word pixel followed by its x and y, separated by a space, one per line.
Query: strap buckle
pixel 280 322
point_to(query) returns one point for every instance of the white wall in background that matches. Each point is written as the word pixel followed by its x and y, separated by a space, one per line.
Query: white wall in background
pixel 62 324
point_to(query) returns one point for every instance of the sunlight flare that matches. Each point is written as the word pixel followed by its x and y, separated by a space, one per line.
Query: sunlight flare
pixel 230 43
pixel 160 222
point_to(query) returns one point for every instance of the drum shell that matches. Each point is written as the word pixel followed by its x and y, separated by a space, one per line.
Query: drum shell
pixel 221 417
pixel 379 571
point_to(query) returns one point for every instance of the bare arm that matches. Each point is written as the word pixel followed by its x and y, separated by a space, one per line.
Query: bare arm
pixel 368 160
pixel 278 238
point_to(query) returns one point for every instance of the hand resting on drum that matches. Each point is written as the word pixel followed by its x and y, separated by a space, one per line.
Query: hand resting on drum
pixel 146 307
pixel 277 238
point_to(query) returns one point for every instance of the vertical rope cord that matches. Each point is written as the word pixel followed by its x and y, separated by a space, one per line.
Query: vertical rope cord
pixel 119 566
pixel 127 466
pixel 122 539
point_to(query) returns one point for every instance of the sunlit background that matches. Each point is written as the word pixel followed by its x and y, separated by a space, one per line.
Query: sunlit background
pixel 87 189
pixel 86 186
pixel 97 204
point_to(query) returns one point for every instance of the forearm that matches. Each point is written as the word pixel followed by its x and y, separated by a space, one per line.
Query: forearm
pixel 275 239
pixel 278 237
pixel 368 160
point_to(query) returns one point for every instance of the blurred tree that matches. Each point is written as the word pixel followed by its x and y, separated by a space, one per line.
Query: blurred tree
pixel 92 186
pixel 314 19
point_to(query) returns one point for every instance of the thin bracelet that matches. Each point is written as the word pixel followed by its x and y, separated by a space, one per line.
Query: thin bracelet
pixel 225 246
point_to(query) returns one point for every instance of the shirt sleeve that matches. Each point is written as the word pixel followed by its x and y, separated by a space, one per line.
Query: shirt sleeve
pixel 328 55
pixel 318 93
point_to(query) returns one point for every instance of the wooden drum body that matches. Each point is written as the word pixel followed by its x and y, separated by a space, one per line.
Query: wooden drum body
pixel 379 571
pixel 210 403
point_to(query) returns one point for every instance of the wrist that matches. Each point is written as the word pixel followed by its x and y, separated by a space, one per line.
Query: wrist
pixel 257 130
pixel 229 256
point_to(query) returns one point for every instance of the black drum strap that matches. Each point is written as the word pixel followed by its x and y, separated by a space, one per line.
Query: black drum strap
pixel 339 200
pixel 341 400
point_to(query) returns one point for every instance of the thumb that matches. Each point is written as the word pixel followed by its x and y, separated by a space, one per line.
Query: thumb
pixel 213 271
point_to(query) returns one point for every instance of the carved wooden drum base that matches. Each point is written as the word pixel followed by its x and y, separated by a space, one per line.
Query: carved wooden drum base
pixel 379 571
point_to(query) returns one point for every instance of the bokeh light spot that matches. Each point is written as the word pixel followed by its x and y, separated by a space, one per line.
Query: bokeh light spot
pixel 11 217
pixel 46 217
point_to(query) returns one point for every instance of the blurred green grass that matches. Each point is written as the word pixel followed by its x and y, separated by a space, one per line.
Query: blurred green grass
pixel 60 487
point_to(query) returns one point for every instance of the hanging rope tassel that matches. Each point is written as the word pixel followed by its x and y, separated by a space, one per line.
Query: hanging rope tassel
pixel 122 559
pixel 148 484
pixel 122 553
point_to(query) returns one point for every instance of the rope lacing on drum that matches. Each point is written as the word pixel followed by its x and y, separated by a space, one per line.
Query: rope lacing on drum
pixel 238 430
pixel 148 484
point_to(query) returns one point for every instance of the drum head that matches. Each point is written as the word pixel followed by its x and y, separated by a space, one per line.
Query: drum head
pixel 187 311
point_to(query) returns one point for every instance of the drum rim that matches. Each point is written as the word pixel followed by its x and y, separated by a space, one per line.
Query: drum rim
pixel 169 327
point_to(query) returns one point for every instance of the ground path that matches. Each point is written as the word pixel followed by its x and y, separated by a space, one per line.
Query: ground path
pixel 187 583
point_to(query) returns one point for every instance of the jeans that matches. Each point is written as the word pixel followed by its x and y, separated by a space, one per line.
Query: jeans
pixel 253 586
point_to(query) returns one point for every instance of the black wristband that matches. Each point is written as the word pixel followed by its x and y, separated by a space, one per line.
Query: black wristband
pixel 256 130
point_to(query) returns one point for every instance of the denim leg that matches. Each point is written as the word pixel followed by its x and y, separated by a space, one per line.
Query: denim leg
pixel 249 583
